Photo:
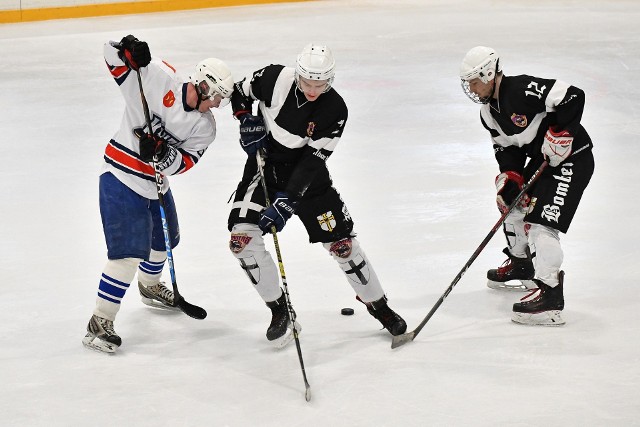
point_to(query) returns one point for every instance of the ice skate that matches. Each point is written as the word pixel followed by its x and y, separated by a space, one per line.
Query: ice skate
pixel 543 307
pixel 101 336
pixel 514 268
pixel 391 321
pixel 280 331
pixel 158 296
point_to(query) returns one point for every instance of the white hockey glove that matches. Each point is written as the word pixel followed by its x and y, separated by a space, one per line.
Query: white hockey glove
pixel 508 186
pixel 557 146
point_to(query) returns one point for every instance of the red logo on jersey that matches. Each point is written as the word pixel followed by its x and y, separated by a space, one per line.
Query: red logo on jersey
pixel 519 120
pixel 310 129
pixel 169 99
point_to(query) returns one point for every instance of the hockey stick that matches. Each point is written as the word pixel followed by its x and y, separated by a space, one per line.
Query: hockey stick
pixel 410 336
pixel 178 300
pixel 292 314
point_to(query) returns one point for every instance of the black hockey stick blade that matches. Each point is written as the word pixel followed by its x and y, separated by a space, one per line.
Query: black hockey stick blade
pixel 190 309
pixel 399 340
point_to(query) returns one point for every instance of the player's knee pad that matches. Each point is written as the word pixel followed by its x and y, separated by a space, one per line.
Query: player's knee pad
pixel 351 258
pixel 356 267
pixel 545 243
pixel 247 245
pixel 514 231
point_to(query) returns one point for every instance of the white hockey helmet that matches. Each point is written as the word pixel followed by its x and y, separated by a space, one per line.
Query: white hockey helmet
pixel 316 62
pixel 480 62
pixel 212 76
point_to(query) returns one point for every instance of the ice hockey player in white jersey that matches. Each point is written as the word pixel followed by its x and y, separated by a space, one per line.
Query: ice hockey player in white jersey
pixel 530 120
pixel 183 128
pixel 299 121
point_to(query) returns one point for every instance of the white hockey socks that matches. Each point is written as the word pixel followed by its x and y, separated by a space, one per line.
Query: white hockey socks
pixel 515 234
pixel 247 245
pixel 116 278
pixel 545 243
pixel 356 267
pixel 149 272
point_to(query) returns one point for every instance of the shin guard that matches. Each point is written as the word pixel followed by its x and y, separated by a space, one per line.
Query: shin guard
pixel 356 267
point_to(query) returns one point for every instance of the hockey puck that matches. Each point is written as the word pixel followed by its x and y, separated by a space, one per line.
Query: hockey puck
pixel 347 311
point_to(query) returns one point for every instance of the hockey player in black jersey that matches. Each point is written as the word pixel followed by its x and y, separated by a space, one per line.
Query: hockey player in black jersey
pixel 530 120
pixel 299 121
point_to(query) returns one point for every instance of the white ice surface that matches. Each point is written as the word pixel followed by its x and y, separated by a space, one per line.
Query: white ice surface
pixel 416 169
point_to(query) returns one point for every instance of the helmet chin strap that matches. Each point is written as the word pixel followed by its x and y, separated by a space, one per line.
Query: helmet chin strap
pixel 495 77
pixel 199 96
pixel 493 88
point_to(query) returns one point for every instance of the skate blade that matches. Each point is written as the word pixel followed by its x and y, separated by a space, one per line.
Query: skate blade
pixel 523 286
pixel 94 343
pixel 286 338
pixel 544 318
pixel 157 304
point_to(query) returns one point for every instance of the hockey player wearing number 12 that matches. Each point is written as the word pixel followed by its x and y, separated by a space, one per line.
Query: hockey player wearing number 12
pixel 534 119
pixel 183 128
pixel 299 122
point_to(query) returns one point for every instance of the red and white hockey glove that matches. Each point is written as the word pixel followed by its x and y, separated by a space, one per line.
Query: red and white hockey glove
pixel 557 146
pixel 508 185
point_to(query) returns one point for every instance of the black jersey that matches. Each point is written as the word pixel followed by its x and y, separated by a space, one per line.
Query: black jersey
pixel 301 134
pixel 526 107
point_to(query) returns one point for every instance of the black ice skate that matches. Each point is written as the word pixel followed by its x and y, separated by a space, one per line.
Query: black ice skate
pixel 280 331
pixel 158 296
pixel 543 306
pixel 101 336
pixel 389 318
pixel 512 269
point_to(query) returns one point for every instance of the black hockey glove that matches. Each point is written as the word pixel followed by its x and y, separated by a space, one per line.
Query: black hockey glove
pixel 278 213
pixel 152 144
pixel 241 104
pixel 134 52
pixel 508 185
pixel 253 133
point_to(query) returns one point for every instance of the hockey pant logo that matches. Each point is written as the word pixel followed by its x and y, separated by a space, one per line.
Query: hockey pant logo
pixel 327 221
pixel 552 212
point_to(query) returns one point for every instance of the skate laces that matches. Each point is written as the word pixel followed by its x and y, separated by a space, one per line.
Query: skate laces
pixel 108 328
pixel 530 295
pixel 106 325
pixel 505 267
pixel 162 291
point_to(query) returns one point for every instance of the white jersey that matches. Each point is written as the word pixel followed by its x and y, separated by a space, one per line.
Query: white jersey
pixel 184 128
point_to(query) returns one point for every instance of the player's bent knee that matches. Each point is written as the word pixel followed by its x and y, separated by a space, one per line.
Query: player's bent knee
pixel 246 238
pixel 343 249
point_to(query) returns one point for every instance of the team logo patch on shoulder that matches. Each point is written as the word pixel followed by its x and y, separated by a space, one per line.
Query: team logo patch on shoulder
pixel 238 242
pixel 310 128
pixel 519 120
pixel 169 99
pixel 327 221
